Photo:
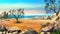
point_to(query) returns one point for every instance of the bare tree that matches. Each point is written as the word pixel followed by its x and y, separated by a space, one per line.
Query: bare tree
pixel 19 13
pixel 5 15
pixel 50 6
pixel 13 11
pixel 47 6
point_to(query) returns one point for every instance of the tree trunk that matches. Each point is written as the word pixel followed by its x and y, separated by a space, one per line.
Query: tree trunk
pixel 17 21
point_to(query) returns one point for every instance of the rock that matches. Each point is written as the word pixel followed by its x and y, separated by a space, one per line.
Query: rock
pixel 30 31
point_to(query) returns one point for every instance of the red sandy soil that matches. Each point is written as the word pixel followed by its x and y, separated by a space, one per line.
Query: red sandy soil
pixel 26 24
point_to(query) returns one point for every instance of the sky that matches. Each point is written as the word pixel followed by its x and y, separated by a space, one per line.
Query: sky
pixel 36 5
pixel 21 1
pixel 21 4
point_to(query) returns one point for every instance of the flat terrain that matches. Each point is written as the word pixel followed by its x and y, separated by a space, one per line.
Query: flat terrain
pixel 25 23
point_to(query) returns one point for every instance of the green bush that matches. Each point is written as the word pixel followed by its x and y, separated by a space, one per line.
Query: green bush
pixel 0 30
pixel 57 32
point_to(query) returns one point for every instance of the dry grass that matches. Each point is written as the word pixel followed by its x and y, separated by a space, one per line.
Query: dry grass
pixel 26 24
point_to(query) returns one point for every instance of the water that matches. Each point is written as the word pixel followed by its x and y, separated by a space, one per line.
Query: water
pixel 30 16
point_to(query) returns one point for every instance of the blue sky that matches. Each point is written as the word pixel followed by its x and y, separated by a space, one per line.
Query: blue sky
pixel 21 1
pixel 21 4
pixel 26 4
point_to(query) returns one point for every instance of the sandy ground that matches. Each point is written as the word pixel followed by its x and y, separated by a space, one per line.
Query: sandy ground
pixel 26 23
